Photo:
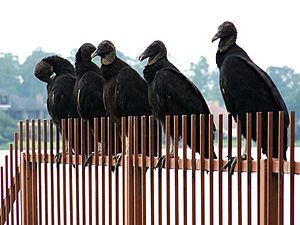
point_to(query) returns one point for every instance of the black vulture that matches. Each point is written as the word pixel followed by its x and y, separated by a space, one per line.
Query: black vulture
pixel 247 88
pixel 171 93
pixel 88 90
pixel 125 91
pixel 59 74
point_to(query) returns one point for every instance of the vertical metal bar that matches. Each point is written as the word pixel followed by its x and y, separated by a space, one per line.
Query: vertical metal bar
pixel 239 167
pixel 57 175
pixel 40 218
pixel 11 165
pixel 168 130
pixel 211 167
pixel 184 147
pixel 45 139
pixel 280 171
pixel 123 148
pixel 23 187
pixel 202 167
pixel 129 170
pixel 220 139
pixel 23 181
pixel 272 188
pixel 96 135
pixel 109 153
pixel 193 145
pixel 17 177
pixel 143 137
pixel 116 138
pixel 103 154
pixel 77 146
pixel 159 172
pixel 51 172
pixel 89 152
pixel 229 144
pixel 248 147
pixel 175 139
pixel 64 146
pixel 292 168
pixel 263 193
pixel 6 191
pixel 137 177
pixel 2 196
pixel 258 150
pixel 34 175
pixel 21 135
pixel 83 153
pixel 28 177
pixel 150 147
pixel 70 147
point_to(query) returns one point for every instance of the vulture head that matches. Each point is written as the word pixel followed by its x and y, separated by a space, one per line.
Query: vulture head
pixel 154 52
pixel 84 52
pixel 227 34
pixel 43 71
pixel 107 52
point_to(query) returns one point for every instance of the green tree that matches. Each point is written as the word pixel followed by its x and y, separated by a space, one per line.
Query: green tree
pixel 207 82
pixel 9 72
pixel 288 84
pixel 7 128
pixel 31 86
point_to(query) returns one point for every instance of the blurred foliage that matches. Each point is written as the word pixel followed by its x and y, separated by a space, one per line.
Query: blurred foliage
pixel 7 128
pixel 18 78
pixel 207 82
pixel 9 72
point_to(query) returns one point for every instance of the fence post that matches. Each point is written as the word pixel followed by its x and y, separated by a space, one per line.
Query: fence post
pixel 263 192
pixel 23 188
pixel 268 215
pixel 127 190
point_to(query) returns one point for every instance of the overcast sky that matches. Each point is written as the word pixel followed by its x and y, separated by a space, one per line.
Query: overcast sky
pixel 268 30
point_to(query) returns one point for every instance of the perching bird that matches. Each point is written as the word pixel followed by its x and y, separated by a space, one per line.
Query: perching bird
pixel 88 90
pixel 171 93
pixel 247 88
pixel 59 74
pixel 125 91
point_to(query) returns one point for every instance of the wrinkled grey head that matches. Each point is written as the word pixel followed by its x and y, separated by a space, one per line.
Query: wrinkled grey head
pixel 227 34
pixel 107 51
pixel 85 51
pixel 43 71
pixel 154 52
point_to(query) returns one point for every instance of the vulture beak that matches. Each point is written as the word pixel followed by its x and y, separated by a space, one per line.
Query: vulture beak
pixel 216 36
pixel 146 54
pixel 95 53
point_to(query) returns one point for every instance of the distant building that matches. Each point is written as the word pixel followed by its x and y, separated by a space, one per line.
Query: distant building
pixel 4 100
pixel 20 108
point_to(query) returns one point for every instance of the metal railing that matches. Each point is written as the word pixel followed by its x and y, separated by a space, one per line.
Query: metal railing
pixel 188 190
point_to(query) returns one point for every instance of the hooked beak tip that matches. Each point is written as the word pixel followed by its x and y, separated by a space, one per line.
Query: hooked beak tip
pixel 94 54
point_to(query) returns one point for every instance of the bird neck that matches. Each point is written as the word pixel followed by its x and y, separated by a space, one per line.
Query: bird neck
pixel 234 50
pixel 226 42
pixel 83 67
pixel 111 70
pixel 150 70
pixel 108 58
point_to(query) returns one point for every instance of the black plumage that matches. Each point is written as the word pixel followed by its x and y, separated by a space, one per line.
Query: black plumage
pixel 172 93
pixel 125 91
pixel 88 90
pixel 247 88
pixel 59 74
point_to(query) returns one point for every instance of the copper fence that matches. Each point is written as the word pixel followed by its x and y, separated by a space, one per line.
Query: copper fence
pixel 188 190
